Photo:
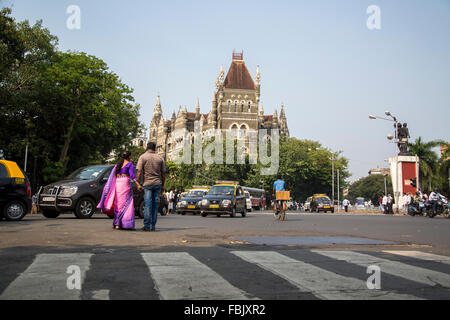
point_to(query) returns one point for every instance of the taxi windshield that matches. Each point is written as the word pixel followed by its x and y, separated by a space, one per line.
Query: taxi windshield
pixel 226 190
pixel 323 200
pixel 88 173
pixel 196 193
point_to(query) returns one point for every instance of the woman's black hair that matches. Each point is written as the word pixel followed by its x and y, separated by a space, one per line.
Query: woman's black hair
pixel 125 156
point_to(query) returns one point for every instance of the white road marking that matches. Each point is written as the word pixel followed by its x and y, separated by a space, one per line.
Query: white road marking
pixel 179 276
pixel 100 295
pixel 322 283
pixel 421 255
pixel 46 278
pixel 399 269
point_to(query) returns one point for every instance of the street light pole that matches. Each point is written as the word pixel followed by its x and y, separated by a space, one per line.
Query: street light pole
pixel 390 137
pixel 26 159
pixel 339 189
pixel 332 178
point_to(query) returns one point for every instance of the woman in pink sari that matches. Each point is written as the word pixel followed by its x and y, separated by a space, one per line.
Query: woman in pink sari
pixel 117 197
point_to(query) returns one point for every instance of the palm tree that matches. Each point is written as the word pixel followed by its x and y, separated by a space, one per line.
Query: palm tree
pixel 444 168
pixel 428 159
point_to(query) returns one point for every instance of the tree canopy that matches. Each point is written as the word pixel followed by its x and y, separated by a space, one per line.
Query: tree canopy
pixel 68 107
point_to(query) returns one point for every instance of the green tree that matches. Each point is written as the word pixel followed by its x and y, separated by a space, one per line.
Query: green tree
pixel 371 187
pixel 69 108
pixel 428 160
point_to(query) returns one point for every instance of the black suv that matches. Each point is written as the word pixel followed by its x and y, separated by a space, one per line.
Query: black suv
pixel 81 191
pixel 224 198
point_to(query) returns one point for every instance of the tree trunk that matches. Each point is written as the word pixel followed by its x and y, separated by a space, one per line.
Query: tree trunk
pixel 65 149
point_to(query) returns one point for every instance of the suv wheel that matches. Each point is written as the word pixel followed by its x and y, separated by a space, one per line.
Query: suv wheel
pixel 50 214
pixel 14 211
pixel 164 211
pixel 85 208
pixel 233 213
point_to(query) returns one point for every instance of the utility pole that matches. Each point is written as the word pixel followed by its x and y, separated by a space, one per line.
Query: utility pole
pixel 332 178
pixel 339 193
pixel 26 159
pixel 385 184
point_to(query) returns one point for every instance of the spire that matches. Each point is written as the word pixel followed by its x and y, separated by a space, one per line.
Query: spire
pixel 261 112
pixel 283 123
pixel 282 114
pixel 221 74
pixel 258 76
pixel 197 110
pixel 275 119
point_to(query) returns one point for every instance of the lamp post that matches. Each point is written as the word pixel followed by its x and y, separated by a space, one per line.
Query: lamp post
pixel 332 178
pixel 390 137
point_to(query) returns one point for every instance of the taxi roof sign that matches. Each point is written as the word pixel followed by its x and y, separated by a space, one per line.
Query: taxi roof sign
pixel 227 182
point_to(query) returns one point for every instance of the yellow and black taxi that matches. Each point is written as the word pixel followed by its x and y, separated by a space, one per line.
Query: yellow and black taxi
pixel 189 203
pixel 15 192
pixel 224 198
pixel 321 202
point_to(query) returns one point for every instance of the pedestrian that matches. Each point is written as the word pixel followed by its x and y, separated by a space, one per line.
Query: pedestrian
pixel 152 166
pixel 175 201
pixel 170 202
pixel 390 204
pixel 385 204
pixel 117 196
pixel 380 202
pixel 346 203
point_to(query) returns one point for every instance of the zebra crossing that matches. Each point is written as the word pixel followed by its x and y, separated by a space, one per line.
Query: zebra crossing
pixel 231 275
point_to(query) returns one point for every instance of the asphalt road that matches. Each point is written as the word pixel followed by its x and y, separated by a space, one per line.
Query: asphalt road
pixel 309 256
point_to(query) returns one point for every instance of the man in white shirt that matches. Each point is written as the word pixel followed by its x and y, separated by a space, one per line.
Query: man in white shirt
pixel 346 203
pixel 385 204
pixel 434 197
pixel 406 201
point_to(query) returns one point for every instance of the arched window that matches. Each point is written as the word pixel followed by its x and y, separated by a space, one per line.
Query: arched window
pixel 234 129
pixel 249 106
pixel 236 106
pixel 229 105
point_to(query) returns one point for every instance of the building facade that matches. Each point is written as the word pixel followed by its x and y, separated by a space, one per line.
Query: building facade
pixel 235 105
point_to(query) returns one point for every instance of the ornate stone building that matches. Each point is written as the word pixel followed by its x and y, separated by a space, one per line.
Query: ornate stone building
pixel 235 105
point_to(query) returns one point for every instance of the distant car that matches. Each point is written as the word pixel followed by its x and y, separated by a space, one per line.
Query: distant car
pixel 291 205
pixel 307 204
pixel 226 197
pixel 80 193
pixel 15 192
pixel 189 203
pixel 321 202
pixel 248 201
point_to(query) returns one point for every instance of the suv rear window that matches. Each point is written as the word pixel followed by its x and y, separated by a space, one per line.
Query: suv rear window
pixel 3 171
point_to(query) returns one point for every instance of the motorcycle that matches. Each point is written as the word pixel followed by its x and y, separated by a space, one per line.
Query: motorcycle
pixel 416 208
pixel 442 208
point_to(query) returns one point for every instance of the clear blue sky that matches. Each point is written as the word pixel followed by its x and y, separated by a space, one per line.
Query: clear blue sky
pixel 317 57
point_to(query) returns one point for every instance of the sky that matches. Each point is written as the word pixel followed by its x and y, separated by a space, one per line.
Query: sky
pixel 318 58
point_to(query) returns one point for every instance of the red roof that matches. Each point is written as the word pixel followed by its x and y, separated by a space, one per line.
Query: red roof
pixel 191 115
pixel 238 77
